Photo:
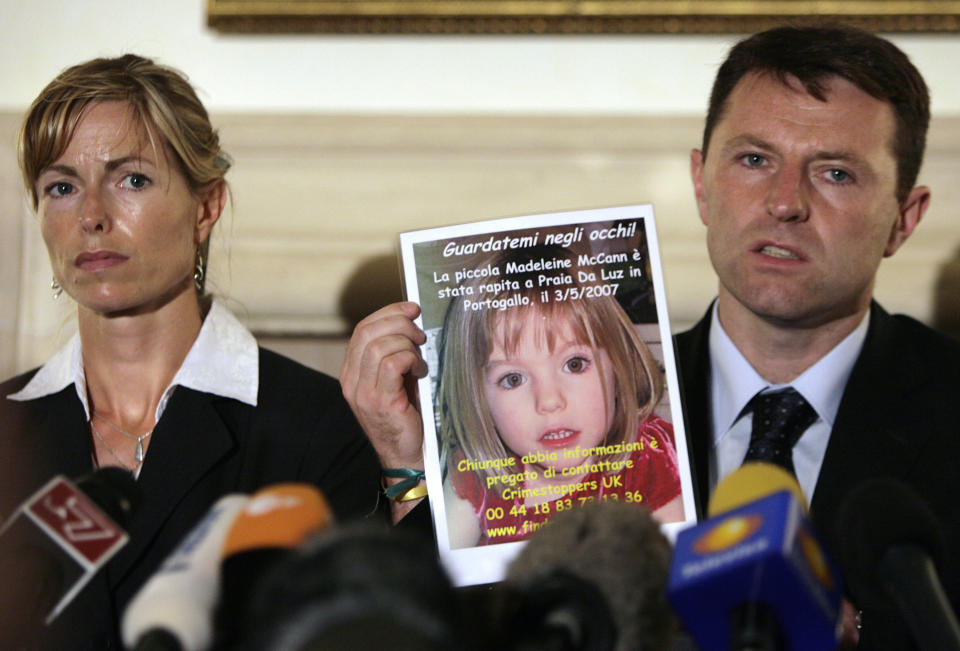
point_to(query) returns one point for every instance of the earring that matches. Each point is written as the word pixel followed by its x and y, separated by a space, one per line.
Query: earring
pixel 199 272
pixel 55 286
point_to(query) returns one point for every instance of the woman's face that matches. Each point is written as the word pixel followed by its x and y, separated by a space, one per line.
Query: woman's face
pixel 118 218
pixel 549 400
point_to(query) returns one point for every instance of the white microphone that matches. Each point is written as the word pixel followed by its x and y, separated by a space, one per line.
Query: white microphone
pixel 177 603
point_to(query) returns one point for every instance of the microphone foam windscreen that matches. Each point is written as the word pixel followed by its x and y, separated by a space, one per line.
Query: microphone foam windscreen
pixel 873 517
pixel 280 515
pixel 750 482
pixel 359 586
pixel 615 547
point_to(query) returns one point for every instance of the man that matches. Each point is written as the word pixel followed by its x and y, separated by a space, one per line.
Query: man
pixel 805 182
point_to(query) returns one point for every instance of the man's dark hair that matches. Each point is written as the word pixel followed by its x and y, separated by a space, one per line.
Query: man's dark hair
pixel 812 55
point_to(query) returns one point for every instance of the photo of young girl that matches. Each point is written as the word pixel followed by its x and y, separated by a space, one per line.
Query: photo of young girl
pixel 545 404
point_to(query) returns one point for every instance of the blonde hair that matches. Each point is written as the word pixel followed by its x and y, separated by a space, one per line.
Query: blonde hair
pixel 160 98
pixel 469 337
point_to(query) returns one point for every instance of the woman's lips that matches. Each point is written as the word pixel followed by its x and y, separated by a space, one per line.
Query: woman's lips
pixel 97 260
pixel 559 438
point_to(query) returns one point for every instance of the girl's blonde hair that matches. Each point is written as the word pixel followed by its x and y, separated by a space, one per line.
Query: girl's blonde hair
pixel 468 339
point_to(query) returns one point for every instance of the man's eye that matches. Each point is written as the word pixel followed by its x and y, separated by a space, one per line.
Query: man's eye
pixel 838 176
pixel 577 364
pixel 754 160
pixel 510 381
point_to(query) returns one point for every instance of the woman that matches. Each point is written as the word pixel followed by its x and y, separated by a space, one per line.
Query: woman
pixel 127 177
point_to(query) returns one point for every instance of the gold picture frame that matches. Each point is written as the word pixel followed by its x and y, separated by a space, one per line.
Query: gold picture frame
pixel 572 16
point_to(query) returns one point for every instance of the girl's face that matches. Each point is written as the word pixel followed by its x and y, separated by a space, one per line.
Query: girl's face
pixel 545 400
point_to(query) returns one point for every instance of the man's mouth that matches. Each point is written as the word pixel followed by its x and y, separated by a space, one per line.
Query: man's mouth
pixel 779 252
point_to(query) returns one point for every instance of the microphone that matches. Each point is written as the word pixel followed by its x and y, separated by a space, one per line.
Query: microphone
pixel 174 609
pixel 360 586
pixel 753 575
pixel 275 521
pixel 56 541
pixel 890 545
pixel 595 578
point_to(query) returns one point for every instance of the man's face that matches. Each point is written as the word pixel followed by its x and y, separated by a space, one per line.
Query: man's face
pixel 798 197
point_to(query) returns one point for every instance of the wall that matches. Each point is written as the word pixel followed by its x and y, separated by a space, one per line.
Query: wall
pixel 341 142
pixel 407 74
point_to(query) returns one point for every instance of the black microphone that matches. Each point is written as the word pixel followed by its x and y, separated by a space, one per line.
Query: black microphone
pixel 269 527
pixel 594 578
pixel 56 541
pixel 359 586
pixel 890 545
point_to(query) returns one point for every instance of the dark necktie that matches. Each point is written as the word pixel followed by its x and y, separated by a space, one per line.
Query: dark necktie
pixel 779 418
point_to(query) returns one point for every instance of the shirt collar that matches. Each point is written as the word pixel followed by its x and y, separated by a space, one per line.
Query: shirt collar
pixel 737 382
pixel 224 360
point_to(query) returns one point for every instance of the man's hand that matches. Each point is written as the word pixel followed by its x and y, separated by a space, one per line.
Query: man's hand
pixel 849 630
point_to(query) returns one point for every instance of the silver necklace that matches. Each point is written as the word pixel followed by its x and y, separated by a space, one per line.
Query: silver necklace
pixel 113 452
pixel 138 454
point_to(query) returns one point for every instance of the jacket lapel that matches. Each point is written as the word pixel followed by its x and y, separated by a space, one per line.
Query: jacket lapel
pixel 693 360
pixel 877 431
pixel 61 439
pixel 188 441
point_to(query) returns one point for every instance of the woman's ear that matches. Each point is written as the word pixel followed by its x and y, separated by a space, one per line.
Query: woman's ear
pixel 212 200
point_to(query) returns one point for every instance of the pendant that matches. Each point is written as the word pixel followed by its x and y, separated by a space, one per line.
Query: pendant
pixel 138 455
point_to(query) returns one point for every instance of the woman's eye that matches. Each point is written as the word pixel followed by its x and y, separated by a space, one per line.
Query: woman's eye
pixel 59 189
pixel 576 364
pixel 510 381
pixel 136 181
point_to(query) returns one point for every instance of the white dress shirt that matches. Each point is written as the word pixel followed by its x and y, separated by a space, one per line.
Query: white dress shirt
pixel 734 382
pixel 224 360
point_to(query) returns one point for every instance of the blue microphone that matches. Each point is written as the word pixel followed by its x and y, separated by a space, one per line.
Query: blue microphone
pixel 753 575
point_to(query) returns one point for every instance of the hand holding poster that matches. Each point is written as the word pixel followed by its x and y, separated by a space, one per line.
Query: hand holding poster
pixel 551 378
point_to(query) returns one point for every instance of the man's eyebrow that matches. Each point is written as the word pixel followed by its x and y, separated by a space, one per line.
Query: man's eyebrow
pixel 747 140
pixel 840 155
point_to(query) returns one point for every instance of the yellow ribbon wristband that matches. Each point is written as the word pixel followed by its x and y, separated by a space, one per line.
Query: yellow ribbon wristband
pixel 401 491
pixel 414 493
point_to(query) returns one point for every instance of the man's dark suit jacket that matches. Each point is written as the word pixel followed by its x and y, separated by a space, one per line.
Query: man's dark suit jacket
pixel 899 417
pixel 204 447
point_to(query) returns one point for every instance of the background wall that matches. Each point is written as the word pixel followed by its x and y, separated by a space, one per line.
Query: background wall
pixel 342 141
pixel 406 74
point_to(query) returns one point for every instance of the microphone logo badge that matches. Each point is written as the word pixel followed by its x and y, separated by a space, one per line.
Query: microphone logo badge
pixel 71 518
pixel 268 503
pixel 728 533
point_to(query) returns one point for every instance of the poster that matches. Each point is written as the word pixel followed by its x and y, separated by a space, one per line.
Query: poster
pixel 551 379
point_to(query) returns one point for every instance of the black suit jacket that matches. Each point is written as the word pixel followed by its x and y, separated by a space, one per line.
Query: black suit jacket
pixel 203 447
pixel 899 417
